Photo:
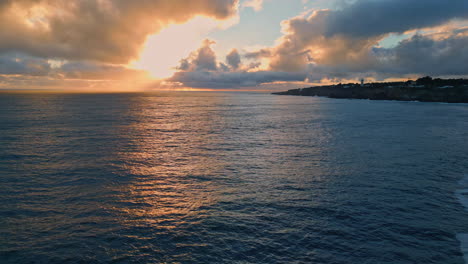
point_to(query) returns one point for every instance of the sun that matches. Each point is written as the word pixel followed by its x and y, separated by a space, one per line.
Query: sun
pixel 163 51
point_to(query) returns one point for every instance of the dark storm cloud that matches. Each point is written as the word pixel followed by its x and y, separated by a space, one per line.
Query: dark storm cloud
pixel 428 56
pixel 367 18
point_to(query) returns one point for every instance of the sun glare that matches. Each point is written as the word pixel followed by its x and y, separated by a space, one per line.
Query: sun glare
pixel 163 51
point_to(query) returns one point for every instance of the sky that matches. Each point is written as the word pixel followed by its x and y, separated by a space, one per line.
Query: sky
pixel 264 45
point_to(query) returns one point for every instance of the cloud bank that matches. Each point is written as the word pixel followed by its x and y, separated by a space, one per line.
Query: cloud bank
pixel 111 31
pixel 344 44
pixel 96 39
pixel 88 39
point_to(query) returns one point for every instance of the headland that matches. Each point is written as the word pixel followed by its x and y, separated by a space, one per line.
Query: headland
pixel 424 89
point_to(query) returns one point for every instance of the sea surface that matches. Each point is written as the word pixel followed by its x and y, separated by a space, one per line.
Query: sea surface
pixel 214 177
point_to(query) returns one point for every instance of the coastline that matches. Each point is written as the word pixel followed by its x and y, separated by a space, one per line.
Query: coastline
pixel 423 90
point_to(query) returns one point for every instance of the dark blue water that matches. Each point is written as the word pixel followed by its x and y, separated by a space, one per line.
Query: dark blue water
pixel 230 178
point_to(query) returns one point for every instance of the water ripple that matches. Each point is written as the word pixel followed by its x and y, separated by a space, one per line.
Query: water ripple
pixel 230 178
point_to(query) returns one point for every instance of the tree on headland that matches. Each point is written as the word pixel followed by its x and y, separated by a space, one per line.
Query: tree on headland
pixel 424 81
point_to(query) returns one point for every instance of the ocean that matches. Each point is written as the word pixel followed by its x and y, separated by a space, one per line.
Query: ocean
pixel 223 177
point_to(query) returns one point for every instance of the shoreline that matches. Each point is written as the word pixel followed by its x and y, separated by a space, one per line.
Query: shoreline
pixel 423 90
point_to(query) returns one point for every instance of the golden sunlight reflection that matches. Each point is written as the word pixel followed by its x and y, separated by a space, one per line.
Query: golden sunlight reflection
pixel 172 175
pixel 163 51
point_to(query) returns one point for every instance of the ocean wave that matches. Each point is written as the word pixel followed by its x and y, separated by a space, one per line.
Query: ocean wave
pixel 462 196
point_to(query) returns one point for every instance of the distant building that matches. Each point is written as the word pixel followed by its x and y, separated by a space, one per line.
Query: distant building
pixel 362 82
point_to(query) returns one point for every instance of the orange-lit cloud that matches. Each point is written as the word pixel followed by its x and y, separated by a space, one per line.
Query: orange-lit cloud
pixel 323 46
pixel 344 43
pixel 99 30
pixel 163 51
pixel 97 39
pixel 97 43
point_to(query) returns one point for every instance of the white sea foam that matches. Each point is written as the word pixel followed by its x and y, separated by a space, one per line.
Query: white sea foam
pixel 462 196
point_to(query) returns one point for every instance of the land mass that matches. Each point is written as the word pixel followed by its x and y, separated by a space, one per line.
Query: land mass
pixel 424 89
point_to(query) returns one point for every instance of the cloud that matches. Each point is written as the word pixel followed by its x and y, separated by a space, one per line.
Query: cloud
pixel 98 30
pixel 233 80
pixel 340 58
pixel 417 56
pixel 262 53
pixel 426 55
pixel 256 5
pixel 202 70
pixel 88 43
pixel 93 40
pixel 15 64
pixel 344 43
pixel 203 59
pixel 366 18
pixel 19 64
pixel 98 71
pixel 233 59
pixel 305 42
pixel 27 82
